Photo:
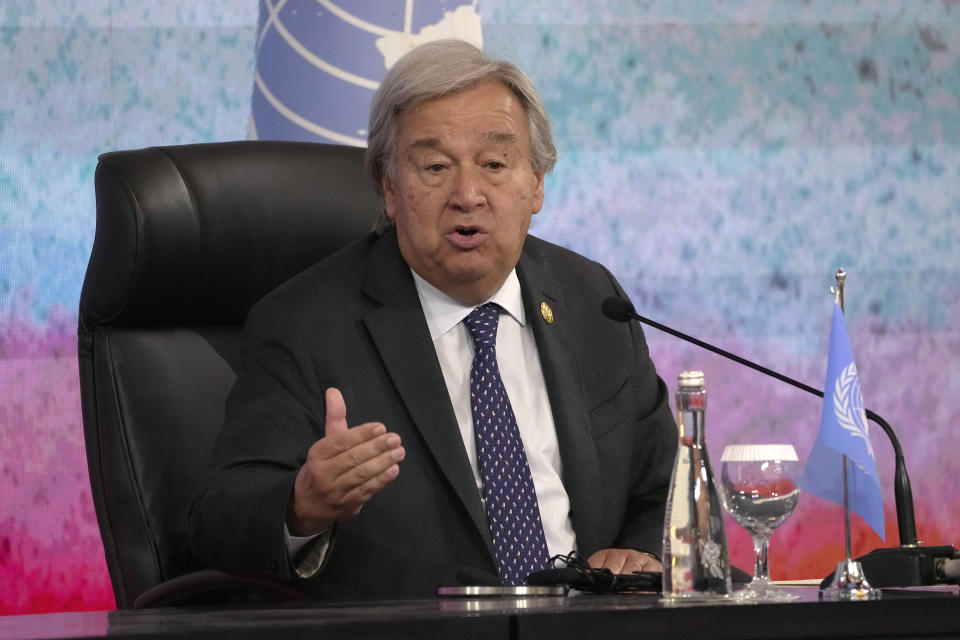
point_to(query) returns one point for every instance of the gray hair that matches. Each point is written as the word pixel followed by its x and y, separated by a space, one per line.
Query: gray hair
pixel 438 69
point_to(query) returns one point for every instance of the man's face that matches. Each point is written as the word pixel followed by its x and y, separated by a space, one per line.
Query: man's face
pixel 464 189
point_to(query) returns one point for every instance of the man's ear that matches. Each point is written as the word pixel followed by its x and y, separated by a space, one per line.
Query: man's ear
pixel 389 197
pixel 537 202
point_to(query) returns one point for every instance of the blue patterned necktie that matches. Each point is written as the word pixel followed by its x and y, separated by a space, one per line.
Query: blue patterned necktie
pixel 513 514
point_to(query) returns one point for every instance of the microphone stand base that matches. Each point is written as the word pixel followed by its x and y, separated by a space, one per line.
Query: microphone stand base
pixel 911 566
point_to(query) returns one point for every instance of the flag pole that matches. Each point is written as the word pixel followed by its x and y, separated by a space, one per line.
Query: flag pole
pixel 849 581
pixel 838 299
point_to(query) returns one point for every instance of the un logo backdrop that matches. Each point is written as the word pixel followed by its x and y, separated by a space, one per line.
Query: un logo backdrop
pixel 319 62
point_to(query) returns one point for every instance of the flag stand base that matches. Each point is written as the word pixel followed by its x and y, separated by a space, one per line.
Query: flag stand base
pixel 849 584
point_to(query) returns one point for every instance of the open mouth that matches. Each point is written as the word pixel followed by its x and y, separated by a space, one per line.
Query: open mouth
pixel 466 237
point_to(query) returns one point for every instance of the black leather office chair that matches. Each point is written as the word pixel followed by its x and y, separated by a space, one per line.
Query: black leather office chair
pixel 187 238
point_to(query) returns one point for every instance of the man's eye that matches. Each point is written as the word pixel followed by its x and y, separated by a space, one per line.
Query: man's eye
pixel 495 165
pixel 435 168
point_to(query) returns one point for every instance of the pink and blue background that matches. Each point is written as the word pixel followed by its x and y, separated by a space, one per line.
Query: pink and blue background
pixel 722 158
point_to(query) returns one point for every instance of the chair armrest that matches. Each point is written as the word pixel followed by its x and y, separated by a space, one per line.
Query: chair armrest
pixel 182 589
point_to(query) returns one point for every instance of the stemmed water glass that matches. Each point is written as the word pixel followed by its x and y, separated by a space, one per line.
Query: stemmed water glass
pixel 760 492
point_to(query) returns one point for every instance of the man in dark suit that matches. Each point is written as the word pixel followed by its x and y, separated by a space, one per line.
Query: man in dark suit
pixel 433 485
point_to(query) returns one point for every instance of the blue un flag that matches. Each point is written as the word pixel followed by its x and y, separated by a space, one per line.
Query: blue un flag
pixel 843 430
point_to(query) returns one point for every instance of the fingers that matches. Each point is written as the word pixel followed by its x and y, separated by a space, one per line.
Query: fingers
pixel 606 559
pixel 640 562
pixel 329 490
pixel 362 482
pixel 352 462
pixel 358 467
pixel 623 561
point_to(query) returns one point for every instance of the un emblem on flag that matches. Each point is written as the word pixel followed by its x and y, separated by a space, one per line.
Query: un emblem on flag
pixel 848 405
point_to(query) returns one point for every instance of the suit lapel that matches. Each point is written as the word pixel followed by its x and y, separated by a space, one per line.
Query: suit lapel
pixel 560 371
pixel 400 334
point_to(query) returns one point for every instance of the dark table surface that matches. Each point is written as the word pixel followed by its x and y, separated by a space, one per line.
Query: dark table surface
pixel 899 614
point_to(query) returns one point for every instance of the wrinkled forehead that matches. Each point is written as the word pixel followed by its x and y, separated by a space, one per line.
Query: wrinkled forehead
pixel 486 137
pixel 487 112
pixel 476 84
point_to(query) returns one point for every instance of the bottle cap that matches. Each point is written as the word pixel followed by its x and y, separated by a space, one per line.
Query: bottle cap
pixel 690 379
pixel 759 453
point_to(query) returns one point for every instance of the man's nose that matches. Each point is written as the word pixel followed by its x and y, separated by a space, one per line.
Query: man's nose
pixel 467 190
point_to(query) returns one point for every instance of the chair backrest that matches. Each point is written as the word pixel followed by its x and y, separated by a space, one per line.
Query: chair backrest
pixel 187 239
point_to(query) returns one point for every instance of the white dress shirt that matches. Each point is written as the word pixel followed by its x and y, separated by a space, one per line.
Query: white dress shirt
pixel 519 363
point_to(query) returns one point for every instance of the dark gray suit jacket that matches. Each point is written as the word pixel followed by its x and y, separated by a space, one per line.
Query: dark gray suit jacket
pixel 354 321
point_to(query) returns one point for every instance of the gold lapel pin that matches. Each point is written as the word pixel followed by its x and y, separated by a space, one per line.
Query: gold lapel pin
pixel 546 312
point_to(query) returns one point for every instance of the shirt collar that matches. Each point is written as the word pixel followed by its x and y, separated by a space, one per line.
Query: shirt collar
pixel 443 313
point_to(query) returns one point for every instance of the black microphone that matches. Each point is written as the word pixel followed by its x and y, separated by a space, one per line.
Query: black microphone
pixel 906 565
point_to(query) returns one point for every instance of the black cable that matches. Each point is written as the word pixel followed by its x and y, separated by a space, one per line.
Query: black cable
pixel 573 571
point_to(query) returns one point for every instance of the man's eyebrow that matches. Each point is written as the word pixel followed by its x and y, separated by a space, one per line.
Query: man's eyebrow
pixel 501 137
pixel 426 143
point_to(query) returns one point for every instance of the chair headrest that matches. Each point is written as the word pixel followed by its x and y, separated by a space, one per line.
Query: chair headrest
pixel 198 233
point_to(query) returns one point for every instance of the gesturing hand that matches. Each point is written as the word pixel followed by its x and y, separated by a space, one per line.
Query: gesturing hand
pixel 343 470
